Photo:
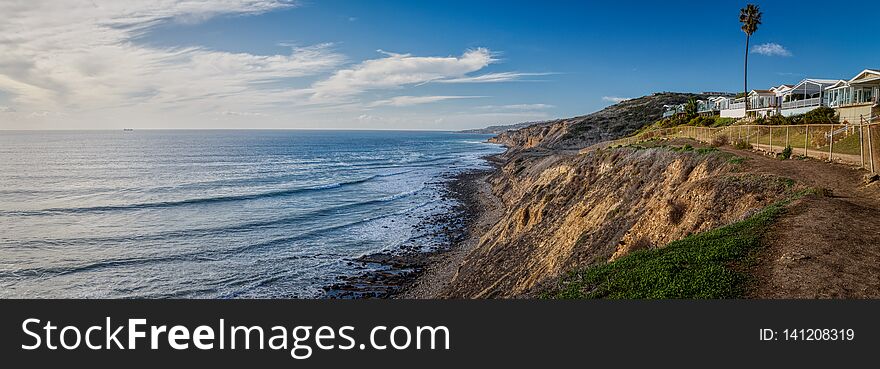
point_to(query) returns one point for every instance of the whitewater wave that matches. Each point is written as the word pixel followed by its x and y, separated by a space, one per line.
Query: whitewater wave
pixel 194 201
pixel 195 256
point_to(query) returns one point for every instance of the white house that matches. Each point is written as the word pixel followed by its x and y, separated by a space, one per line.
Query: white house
pixel 730 107
pixel 762 103
pixel 805 96
pixel 671 110
pixel 856 100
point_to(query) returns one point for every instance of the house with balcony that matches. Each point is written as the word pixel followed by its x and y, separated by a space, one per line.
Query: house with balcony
pixel 762 103
pixel 804 96
pixel 730 107
pixel 672 110
pixel 855 100
pixel 712 106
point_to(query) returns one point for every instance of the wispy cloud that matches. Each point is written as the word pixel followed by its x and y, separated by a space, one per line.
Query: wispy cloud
pixel 615 99
pixel 770 49
pixel 398 70
pixel 88 61
pixel 416 100
pixel 492 77
pixel 82 56
pixel 518 107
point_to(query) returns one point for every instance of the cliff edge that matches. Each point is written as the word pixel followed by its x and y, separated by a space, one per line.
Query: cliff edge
pixel 613 122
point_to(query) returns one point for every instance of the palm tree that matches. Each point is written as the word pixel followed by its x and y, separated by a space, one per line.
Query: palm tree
pixel 691 109
pixel 750 17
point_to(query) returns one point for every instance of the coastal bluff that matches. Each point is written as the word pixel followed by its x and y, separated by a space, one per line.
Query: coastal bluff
pixel 564 216
pixel 575 133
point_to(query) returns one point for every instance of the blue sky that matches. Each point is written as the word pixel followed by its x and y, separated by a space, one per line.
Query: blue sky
pixel 338 64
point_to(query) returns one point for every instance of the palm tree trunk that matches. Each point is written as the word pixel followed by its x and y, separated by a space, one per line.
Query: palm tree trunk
pixel 746 74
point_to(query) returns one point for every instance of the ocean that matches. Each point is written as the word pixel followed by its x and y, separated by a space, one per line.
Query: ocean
pixel 215 213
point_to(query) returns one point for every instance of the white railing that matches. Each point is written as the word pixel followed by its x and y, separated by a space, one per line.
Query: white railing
pixel 801 103
pixel 735 106
pixel 762 105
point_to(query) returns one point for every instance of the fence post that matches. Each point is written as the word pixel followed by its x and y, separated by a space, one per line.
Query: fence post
pixel 771 140
pixel 806 140
pixel 861 148
pixel 870 147
pixel 758 136
pixel 831 145
pixel 787 142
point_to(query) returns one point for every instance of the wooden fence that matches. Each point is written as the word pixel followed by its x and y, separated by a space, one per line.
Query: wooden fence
pixel 854 144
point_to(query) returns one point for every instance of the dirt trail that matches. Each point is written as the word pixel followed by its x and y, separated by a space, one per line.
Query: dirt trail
pixel 825 246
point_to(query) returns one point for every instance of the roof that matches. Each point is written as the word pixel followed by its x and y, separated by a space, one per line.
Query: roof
pixel 867 71
pixel 760 92
pixel 824 83
pixel 821 80
pixel 838 84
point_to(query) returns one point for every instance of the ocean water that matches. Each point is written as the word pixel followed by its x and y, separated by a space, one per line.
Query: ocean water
pixel 214 214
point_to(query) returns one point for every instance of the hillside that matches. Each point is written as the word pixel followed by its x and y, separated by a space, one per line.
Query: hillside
pixel 563 212
pixel 494 130
pixel 615 121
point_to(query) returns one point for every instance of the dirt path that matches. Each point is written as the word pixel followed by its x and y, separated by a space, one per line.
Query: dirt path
pixel 825 246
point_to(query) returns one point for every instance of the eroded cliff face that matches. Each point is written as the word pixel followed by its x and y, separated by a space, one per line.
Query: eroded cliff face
pixel 570 211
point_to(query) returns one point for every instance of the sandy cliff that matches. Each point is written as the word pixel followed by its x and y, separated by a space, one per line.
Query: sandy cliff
pixel 566 211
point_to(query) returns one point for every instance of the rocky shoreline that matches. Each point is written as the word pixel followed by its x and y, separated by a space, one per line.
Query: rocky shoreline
pixel 412 273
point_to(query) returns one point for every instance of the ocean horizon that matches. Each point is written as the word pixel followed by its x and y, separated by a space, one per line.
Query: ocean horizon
pixel 216 213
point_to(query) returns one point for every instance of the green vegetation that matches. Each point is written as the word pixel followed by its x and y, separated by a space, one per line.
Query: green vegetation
pixel 723 122
pixel 849 144
pixel 741 144
pixel 786 153
pixel 690 108
pixel 820 115
pixel 704 265
pixel 685 148
pixel 736 160
pixel 706 150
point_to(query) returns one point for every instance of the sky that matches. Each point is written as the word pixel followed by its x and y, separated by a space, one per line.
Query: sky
pixel 437 65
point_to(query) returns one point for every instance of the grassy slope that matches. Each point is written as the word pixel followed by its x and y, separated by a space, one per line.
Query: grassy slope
pixel 698 266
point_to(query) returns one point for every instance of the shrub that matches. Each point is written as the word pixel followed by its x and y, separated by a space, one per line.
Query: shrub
pixel 702 121
pixel 778 120
pixel 706 150
pixel 719 140
pixel 742 145
pixel 723 122
pixel 786 153
pixel 820 115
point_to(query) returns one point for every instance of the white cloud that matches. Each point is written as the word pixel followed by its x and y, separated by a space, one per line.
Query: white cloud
pixel 492 77
pixel 416 100
pixel 398 70
pixel 770 49
pixel 85 63
pixel 242 113
pixel 81 56
pixel 615 99
pixel 518 107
